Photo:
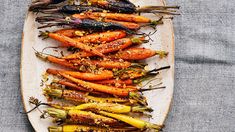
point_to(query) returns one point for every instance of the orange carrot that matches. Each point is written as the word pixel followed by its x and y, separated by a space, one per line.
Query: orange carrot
pixel 102 37
pixel 61 62
pixel 56 60
pixel 101 75
pixel 102 63
pixel 138 54
pixel 76 87
pixel 129 25
pixel 71 85
pixel 99 2
pixel 130 88
pixel 114 81
pixel 71 32
pixel 107 48
pixel 98 87
pixel 119 17
pixel 72 42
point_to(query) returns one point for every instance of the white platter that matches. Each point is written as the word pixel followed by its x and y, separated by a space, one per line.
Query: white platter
pixel 32 68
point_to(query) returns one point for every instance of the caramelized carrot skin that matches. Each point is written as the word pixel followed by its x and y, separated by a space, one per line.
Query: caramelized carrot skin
pixel 70 32
pixel 71 85
pixel 74 96
pixel 61 62
pixel 102 63
pixel 114 81
pixel 71 42
pixel 102 37
pixel 85 117
pixel 98 87
pixel 129 25
pixel 119 17
pixel 135 54
pixel 102 75
pixel 99 2
pixel 104 48
pixel 79 88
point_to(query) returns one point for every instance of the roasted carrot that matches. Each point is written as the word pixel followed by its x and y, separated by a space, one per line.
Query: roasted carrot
pixel 82 128
pixel 138 54
pixel 129 25
pixel 115 81
pixel 102 63
pixel 98 2
pixel 130 88
pixel 102 88
pixel 100 75
pixel 56 60
pixel 98 87
pixel 79 97
pixel 72 86
pixel 119 17
pixel 81 117
pixel 102 37
pixel 75 64
pixel 109 107
pixel 71 32
pixel 138 123
pixel 69 41
pixel 108 47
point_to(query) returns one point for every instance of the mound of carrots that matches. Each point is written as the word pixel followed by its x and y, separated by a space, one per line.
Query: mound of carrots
pixel 99 83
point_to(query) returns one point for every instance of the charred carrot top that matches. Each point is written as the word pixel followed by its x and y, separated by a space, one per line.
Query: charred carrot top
pixel 102 63
pixel 108 47
pixel 138 54
pixel 71 42
pixel 119 17
pixel 100 75
pixel 102 37
pixel 71 32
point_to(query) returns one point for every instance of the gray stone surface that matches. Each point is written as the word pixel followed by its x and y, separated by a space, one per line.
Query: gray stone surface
pixel 204 97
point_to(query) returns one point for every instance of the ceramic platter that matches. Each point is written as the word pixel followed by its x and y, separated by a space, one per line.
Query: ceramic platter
pixel 32 68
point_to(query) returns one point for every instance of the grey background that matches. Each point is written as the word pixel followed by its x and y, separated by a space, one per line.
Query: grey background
pixel 205 73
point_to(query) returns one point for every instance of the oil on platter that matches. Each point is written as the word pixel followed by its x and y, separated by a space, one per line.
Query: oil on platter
pixel 32 68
